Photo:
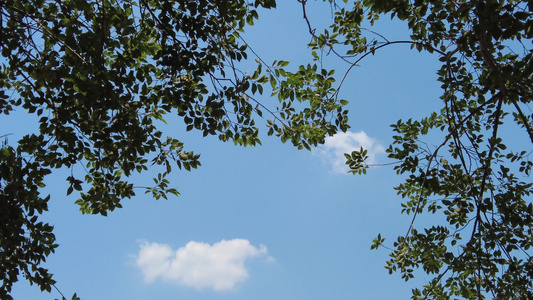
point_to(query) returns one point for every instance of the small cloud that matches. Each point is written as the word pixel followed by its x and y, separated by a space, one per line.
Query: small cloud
pixel 199 265
pixel 345 142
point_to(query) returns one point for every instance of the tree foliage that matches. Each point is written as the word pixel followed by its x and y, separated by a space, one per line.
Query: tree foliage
pixel 461 164
pixel 99 76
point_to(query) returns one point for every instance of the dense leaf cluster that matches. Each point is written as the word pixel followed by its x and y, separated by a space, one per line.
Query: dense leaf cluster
pixel 99 76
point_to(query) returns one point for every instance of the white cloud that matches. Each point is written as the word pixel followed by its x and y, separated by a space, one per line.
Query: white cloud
pixel 345 142
pixel 199 265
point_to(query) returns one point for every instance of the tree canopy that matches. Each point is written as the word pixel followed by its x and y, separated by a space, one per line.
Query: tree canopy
pixel 99 75
pixel 456 161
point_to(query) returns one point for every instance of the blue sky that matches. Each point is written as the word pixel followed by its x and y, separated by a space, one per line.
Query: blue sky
pixel 269 222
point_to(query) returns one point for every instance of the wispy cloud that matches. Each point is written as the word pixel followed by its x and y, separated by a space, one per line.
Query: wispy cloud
pixel 199 265
pixel 345 142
